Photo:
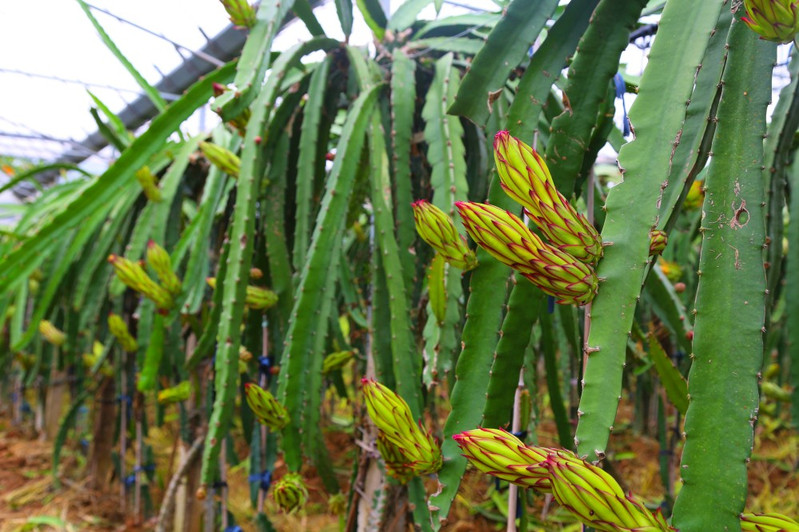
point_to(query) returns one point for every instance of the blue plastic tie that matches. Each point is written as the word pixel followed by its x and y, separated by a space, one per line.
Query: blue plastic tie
pixel 621 88
pixel 550 305
pixel 233 528
pixel 264 479
pixel 522 434
pixel 130 480
pixel 265 364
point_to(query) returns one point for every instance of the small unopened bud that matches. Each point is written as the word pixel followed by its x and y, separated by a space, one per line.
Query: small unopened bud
pixel 241 12
pixel 119 329
pixel 222 158
pixel 657 242
pixel 149 184
pixel 175 394
pixel 695 197
pixel 159 261
pixel 438 230
pixel 51 333
pixel 256 298
pixel 133 276
pixel 290 492
pixel 265 407
pixel 336 360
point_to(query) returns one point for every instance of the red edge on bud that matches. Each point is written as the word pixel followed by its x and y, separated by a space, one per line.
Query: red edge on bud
pixel 151 243
pixel 419 203
pixel 112 258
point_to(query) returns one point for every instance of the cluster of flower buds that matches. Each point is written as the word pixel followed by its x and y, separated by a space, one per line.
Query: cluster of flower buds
pixel 119 329
pixel 657 241
pixel 256 298
pixel 132 274
pixel 265 407
pixel 509 240
pixel 562 268
pixel 222 158
pixel 336 360
pixel 437 229
pixel 149 184
pixel 525 178
pixel 158 259
pixel 771 522
pixel 773 20
pixel 52 334
pixel 587 491
pixel 392 416
pixel 175 394
pixel 289 492
pixel 241 12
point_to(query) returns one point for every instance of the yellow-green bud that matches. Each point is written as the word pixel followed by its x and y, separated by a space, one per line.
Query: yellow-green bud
pixel 397 466
pixel 222 158
pixel 770 522
pixel 657 241
pixel 256 298
pixel 336 360
pixel 501 454
pixel 175 394
pixel 525 177
pixel 265 407
pixel 337 504
pixel 510 241
pixel 119 329
pixel 438 230
pixel 773 20
pixel 595 498
pixel 149 184
pixel 159 261
pixel 392 415
pixel 133 276
pixel 695 196
pixel 51 333
pixel 289 492
pixel 241 12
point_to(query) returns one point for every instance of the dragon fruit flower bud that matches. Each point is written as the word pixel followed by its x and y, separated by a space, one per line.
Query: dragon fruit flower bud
pixel 222 158
pixel 256 298
pixel 657 242
pixel 595 498
pixel 133 276
pixel 770 522
pixel 773 20
pixel 119 329
pixel 336 360
pixel 392 415
pixel 265 407
pixel 52 334
pixel 241 13
pixel 438 230
pixel 397 466
pixel 509 240
pixel 501 454
pixel 290 492
pixel 175 394
pixel 159 261
pixel 149 184
pixel 525 178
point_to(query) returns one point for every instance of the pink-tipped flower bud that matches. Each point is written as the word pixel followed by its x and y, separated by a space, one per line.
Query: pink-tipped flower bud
pixel 525 177
pixel 657 241
pixel 438 230
pixel 773 20
pixel 392 415
pixel 509 240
